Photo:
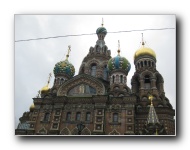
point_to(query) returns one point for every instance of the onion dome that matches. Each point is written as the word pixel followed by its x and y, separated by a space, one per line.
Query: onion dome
pixel 64 67
pixel 46 88
pixel 119 62
pixel 32 107
pixel 144 51
pixel 101 29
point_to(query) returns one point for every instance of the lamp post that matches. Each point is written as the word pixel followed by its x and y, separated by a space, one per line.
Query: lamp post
pixel 80 127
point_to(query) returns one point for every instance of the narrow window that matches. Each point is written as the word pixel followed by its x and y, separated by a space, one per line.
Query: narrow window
pixel 147 82
pixel 141 64
pixel 115 117
pixel 46 117
pixel 113 79
pixel 105 73
pixel 88 116
pixel 68 117
pixel 78 116
pixel 93 70
pixel 121 78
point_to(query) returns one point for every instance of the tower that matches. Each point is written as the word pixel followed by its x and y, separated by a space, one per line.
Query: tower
pixel 95 63
pixel 118 70
pixel 148 81
pixel 63 71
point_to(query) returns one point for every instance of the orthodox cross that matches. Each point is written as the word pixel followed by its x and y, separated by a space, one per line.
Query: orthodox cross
pixel 69 49
pixel 142 40
pixel 102 22
pixel 49 78
pixel 118 48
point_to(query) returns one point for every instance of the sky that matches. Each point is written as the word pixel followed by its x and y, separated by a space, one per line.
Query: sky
pixel 34 60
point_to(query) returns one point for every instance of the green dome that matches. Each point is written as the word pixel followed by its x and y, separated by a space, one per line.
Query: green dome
pixel 119 62
pixel 64 67
pixel 101 30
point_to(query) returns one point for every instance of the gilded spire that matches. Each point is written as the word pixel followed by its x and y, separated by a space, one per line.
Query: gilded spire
pixel 69 49
pixel 152 116
pixel 118 48
pixel 142 40
pixel 151 98
pixel 102 22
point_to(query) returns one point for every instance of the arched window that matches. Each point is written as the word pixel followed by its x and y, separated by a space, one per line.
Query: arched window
pixel 78 116
pixel 152 64
pixel 113 77
pixel 105 73
pixel 115 117
pixel 121 78
pixel 62 80
pixel 88 116
pixel 93 70
pixel 147 82
pixel 141 64
pixel 145 63
pixel 68 117
pixel 46 117
pixel 138 65
pixel 149 63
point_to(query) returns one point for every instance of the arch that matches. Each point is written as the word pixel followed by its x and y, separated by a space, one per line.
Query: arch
pixel 65 131
pixel 81 79
pixel 135 83
pixel 143 74
pixel 114 132
pixel 42 131
pixel 86 131
pixel 144 98
pixel 159 82
pixel 121 95
pixel 74 131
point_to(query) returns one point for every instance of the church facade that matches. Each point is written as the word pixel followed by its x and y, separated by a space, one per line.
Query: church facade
pixel 98 101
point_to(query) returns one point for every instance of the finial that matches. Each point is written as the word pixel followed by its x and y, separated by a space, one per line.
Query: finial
pixel 142 39
pixel 156 131
pixel 38 95
pixel 69 49
pixel 49 78
pixel 102 22
pixel 118 48
pixel 151 98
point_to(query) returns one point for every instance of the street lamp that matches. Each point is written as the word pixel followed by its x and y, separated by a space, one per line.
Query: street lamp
pixel 80 127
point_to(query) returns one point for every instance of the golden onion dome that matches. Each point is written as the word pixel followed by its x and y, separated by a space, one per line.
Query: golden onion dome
pixel 45 89
pixel 32 107
pixel 144 51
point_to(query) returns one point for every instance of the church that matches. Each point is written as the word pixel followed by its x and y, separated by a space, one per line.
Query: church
pixel 98 101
